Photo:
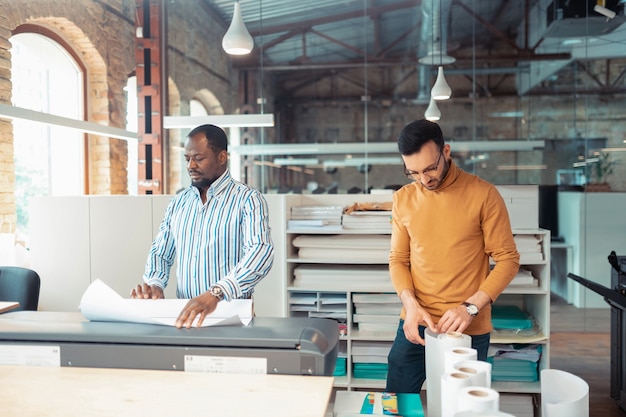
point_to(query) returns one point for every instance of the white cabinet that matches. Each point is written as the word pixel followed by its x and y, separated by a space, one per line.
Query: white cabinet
pixel 332 289
pixel 76 240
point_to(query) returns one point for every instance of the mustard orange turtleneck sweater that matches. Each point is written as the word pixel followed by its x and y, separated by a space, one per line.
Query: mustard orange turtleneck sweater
pixel 442 240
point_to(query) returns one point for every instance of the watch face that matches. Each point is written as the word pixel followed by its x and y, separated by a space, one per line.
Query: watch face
pixel 217 292
pixel 471 309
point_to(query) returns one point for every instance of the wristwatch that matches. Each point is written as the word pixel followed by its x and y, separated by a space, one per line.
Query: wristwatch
pixel 217 292
pixel 471 309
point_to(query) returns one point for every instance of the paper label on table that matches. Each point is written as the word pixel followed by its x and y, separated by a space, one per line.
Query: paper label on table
pixel 101 303
pixel 30 355
pixel 225 364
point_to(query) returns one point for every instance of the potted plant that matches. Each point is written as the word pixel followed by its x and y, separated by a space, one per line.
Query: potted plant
pixel 600 171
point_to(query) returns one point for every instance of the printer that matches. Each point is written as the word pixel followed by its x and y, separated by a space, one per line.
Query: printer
pixel 292 346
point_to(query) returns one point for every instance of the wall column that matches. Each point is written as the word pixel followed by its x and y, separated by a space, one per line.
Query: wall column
pixel 149 96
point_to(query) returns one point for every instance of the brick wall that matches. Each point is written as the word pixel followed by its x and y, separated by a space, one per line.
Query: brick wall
pixel 102 35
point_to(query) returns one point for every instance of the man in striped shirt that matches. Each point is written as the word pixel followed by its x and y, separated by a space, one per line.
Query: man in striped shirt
pixel 217 229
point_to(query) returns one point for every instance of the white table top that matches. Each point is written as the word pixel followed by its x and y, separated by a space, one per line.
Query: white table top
pixel 29 391
pixel 8 305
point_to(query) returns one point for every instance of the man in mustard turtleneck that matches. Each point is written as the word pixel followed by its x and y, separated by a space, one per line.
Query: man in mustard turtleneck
pixel 445 227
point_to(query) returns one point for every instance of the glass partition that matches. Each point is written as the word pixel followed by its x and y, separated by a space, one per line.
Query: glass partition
pixel 544 107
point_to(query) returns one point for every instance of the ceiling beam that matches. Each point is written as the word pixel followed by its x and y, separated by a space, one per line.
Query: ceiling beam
pixel 376 62
pixel 372 11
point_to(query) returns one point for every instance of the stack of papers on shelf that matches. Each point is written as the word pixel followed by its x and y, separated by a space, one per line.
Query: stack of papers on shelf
pixel 316 218
pixel 342 276
pixel 510 317
pixel 369 370
pixel 514 362
pixel 377 312
pixel 370 352
pixel 340 367
pixel 369 359
pixel 324 305
pixel 524 277
pixel 375 221
pixel 372 248
pixel 529 248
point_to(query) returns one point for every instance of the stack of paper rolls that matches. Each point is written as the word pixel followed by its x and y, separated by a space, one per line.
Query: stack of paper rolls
pixel 436 345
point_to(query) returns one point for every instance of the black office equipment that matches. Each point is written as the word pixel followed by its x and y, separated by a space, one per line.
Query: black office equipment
pixel 616 298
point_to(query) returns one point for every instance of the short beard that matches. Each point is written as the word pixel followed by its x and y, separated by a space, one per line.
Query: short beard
pixel 204 183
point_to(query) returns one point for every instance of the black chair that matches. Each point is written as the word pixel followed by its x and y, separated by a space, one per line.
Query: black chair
pixel 21 285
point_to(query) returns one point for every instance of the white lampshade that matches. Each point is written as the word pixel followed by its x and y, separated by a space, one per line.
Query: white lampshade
pixel 441 90
pixel 237 40
pixel 432 112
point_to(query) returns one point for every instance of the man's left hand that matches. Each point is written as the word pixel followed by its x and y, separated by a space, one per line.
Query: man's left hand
pixel 455 319
pixel 200 306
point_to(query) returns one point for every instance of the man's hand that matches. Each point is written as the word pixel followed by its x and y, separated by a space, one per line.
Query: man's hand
pixel 455 319
pixel 415 315
pixel 147 291
pixel 200 306
pixel 411 322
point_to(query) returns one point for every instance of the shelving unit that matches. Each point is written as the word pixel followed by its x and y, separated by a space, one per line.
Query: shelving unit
pixel 533 299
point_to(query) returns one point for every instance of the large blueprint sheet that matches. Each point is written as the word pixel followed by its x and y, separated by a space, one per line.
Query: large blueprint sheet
pixel 102 303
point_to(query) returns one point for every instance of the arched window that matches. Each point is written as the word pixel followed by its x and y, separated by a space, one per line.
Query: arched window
pixel 49 160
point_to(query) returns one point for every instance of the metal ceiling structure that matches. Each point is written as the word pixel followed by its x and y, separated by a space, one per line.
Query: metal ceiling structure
pixel 330 49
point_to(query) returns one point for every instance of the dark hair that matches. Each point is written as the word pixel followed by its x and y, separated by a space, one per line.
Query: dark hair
pixel 214 135
pixel 414 135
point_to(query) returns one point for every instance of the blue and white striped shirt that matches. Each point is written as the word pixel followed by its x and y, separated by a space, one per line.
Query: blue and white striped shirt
pixel 226 241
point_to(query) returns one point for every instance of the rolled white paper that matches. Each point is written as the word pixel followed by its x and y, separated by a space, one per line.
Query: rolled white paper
pixel 488 413
pixel 478 399
pixel 563 394
pixel 457 354
pixel 451 383
pixel 436 344
pixel 479 372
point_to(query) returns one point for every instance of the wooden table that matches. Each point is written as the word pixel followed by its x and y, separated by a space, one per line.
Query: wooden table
pixel 8 305
pixel 29 391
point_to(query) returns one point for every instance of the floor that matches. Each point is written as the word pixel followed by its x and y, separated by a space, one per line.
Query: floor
pixel 580 344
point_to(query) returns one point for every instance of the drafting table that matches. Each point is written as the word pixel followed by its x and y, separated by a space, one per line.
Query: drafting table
pixel 34 391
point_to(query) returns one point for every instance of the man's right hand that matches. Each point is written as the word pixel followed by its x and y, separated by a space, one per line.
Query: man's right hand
pixel 415 315
pixel 147 291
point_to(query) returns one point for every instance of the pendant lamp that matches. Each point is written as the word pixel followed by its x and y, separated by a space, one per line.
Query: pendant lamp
pixel 441 90
pixel 237 40
pixel 432 111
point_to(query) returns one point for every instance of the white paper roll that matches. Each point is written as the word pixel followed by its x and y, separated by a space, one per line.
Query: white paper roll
pixel 488 413
pixel 436 344
pixel 478 399
pixel 479 372
pixel 451 383
pixel 453 355
pixel 563 394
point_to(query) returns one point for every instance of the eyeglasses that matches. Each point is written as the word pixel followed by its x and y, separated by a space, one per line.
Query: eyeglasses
pixel 429 172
